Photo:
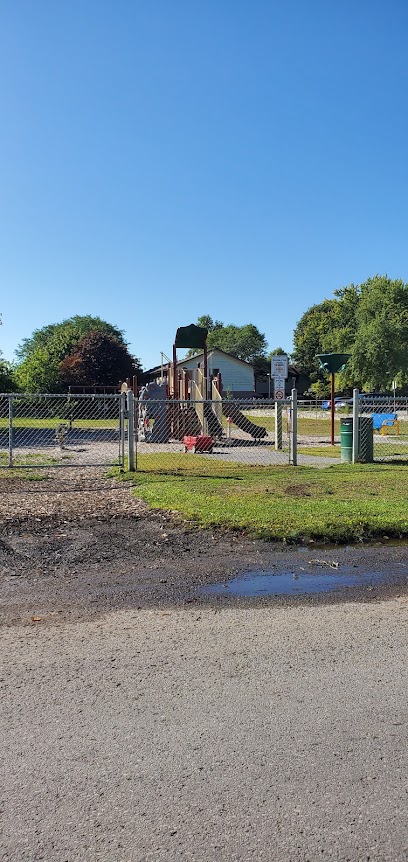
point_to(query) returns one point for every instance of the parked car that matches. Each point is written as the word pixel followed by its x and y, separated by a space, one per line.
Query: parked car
pixel 339 402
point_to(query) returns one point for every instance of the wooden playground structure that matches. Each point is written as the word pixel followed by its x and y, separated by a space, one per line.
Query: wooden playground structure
pixel 198 407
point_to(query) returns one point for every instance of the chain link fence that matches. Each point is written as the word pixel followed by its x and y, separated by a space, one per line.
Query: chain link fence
pixel 174 434
pixel 62 430
pixel 389 417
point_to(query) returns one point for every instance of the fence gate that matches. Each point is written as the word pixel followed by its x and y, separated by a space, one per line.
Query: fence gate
pixel 62 430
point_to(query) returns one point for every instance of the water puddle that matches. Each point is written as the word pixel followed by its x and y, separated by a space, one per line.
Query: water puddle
pixel 261 583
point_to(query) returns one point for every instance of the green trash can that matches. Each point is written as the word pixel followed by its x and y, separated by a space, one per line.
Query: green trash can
pixel 346 439
pixel 366 440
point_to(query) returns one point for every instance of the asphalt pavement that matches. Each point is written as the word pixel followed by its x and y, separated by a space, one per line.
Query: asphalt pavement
pixel 197 733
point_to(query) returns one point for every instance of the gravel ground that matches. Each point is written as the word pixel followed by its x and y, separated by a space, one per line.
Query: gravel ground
pixel 142 721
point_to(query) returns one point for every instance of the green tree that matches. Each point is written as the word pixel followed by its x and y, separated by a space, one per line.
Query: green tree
pixel 7 381
pixel 369 321
pixel 244 342
pixel 208 323
pixel 380 351
pixel 40 356
pixel 279 351
pixel 315 333
pixel 98 360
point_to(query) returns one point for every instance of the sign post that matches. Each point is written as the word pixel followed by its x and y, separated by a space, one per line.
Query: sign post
pixel 394 386
pixel 279 372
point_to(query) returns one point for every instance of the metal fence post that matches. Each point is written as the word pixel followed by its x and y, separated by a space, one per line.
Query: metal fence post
pixel 356 420
pixel 10 440
pixel 294 427
pixel 136 426
pixel 278 425
pixel 131 431
pixel 122 429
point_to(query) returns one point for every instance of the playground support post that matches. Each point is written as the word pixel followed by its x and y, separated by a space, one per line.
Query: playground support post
pixel 293 437
pixel 332 409
pixel 131 431
pixel 205 371
pixel 356 411
pixel 175 393
pixel 278 425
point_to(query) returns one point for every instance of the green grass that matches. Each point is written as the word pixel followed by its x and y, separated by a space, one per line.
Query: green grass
pixel 308 426
pixel 341 503
pixel 26 460
pixel 311 427
pixel 320 451
pixel 19 473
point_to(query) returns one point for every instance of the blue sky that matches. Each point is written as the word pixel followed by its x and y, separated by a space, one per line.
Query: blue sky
pixel 160 160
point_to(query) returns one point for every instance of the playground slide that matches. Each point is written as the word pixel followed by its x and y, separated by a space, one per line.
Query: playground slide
pixel 204 411
pixel 214 427
pixel 241 421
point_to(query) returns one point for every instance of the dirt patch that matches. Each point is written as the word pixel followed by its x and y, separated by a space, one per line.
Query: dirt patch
pixel 298 491
pixel 87 546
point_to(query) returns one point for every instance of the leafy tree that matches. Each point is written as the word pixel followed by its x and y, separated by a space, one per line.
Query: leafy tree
pixel 369 321
pixel 380 351
pixel 98 360
pixel 279 351
pixel 7 381
pixel 70 330
pixel 244 342
pixel 40 356
pixel 314 334
pixel 208 323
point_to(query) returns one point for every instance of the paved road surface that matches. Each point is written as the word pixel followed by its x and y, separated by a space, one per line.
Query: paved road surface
pixel 195 734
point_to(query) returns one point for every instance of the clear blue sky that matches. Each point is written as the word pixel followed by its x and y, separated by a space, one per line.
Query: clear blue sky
pixel 160 160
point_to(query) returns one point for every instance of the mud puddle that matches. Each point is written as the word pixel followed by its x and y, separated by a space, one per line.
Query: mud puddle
pixel 288 583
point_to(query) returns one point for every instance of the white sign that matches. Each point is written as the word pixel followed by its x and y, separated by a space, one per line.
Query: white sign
pixel 279 394
pixel 279 366
pixel 279 383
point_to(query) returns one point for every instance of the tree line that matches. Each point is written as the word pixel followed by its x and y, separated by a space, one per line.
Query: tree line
pixel 80 351
pixel 369 321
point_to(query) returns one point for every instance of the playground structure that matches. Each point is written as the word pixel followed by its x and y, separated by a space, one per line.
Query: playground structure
pixel 189 404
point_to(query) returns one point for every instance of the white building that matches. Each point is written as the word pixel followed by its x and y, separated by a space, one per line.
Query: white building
pixel 237 376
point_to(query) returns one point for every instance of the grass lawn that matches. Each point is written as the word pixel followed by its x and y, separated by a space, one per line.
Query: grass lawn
pixel 320 451
pixel 19 473
pixel 309 426
pixel 340 503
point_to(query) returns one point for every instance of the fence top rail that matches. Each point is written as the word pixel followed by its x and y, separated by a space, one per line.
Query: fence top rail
pixel 67 396
pixel 257 405
pixel 384 399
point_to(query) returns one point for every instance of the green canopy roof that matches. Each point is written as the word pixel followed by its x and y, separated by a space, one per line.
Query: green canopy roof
pixel 333 362
pixel 191 336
